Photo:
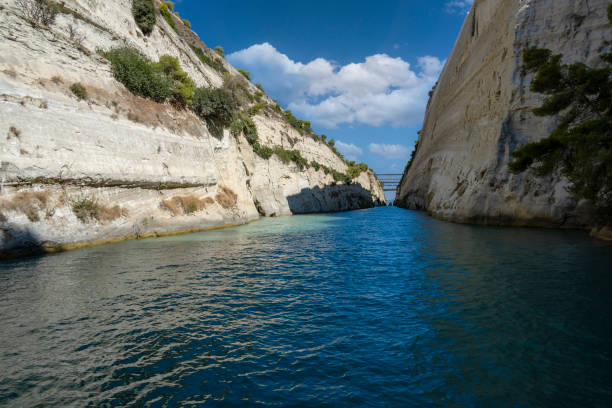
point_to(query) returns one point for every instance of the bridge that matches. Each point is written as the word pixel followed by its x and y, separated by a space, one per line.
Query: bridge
pixel 390 182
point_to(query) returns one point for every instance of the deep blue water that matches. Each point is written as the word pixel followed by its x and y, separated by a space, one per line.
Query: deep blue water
pixel 379 308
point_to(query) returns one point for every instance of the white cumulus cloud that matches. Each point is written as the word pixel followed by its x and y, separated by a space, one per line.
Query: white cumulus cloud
pixel 389 151
pixel 380 90
pixel 349 150
pixel 458 6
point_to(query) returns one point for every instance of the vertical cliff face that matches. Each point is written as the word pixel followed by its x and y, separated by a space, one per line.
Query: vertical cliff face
pixel 115 165
pixel 480 112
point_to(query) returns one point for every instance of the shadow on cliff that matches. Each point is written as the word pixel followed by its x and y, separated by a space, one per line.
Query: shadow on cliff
pixel 333 198
pixel 19 241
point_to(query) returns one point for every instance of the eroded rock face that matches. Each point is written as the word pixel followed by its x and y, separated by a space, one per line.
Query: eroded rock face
pixel 116 165
pixel 480 112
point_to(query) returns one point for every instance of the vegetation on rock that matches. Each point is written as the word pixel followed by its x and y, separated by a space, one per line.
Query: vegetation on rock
pixel 42 12
pixel 159 81
pixel 79 90
pixel 215 106
pixel 167 15
pixel 580 147
pixel 87 209
pixel 144 15
pixel 245 73
pixel 138 74
pixel 181 85
pixel 212 62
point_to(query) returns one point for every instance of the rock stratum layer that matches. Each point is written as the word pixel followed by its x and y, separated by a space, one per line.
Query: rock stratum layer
pixel 116 166
pixel 480 112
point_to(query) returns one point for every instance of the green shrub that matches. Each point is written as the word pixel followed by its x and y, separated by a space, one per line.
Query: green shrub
pixel 85 209
pixel 287 156
pixel 220 51
pixel 182 87
pixel 260 87
pixel 255 109
pixel 215 64
pixel 138 74
pixel 413 154
pixel 245 73
pixel 187 23
pixel 144 15
pixel 235 86
pixel 215 106
pixel 259 96
pixel 79 90
pixel 264 152
pixel 167 15
pixel 247 127
pixel 299 125
pixel 169 4
pixel 580 147
pixel 353 172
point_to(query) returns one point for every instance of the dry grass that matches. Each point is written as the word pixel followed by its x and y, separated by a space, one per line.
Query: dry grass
pixel 147 112
pixel 226 197
pixel 105 213
pixel 187 204
pixel 28 203
pixel 87 209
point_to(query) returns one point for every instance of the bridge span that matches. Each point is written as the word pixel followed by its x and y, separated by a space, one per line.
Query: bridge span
pixel 390 181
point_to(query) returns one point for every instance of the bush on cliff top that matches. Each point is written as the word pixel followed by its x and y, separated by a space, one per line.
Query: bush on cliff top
pixel 144 15
pixel 167 15
pixel 245 73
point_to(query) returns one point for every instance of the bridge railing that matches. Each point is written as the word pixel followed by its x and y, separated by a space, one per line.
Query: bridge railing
pixel 390 181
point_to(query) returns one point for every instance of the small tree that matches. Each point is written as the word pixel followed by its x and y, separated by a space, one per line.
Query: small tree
pixel 40 12
pixel 215 106
pixel 220 51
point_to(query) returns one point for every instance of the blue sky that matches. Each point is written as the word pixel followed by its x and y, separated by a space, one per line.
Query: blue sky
pixel 359 70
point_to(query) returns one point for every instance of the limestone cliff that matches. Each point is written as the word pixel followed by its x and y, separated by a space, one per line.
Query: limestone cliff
pixel 114 165
pixel 480 112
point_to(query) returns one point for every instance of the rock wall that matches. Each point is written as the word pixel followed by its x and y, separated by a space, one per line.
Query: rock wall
pixel 118 166
pixel 480 112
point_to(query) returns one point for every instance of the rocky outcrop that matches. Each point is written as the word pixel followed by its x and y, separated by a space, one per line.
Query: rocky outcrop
pixel 115 166
pixel 480 112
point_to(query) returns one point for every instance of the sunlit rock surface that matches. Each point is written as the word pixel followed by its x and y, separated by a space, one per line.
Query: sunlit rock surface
pixel 134 158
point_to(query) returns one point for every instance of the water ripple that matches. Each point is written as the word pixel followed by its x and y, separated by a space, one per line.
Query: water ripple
pixel 372 308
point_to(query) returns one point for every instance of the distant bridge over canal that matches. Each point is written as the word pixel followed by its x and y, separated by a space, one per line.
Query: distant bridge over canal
pixel 389 181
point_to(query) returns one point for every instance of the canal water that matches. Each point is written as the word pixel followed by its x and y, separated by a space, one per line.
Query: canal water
pixel 375 308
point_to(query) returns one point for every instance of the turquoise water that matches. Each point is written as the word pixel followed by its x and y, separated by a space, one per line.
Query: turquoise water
pixel 379 308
